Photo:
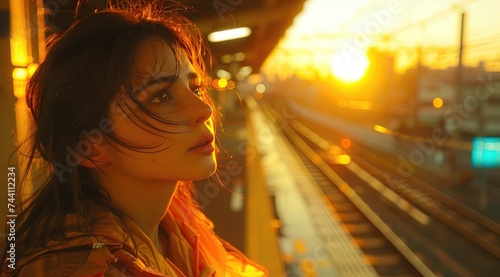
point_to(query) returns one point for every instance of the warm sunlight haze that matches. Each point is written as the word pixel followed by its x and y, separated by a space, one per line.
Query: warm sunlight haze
pixel 411 31
pixel 349 69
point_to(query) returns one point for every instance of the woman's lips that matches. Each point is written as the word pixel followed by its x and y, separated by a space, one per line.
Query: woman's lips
pixel 203 149
pixel 204 145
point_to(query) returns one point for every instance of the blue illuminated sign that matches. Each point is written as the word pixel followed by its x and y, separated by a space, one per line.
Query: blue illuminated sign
pixel 485 152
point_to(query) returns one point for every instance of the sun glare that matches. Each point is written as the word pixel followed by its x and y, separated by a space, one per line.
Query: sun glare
pixel 349 68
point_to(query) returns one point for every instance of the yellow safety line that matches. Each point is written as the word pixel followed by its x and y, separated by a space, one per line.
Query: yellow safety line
pixel 261 240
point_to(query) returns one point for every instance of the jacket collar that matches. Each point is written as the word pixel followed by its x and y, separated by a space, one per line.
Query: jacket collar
pixel 110 243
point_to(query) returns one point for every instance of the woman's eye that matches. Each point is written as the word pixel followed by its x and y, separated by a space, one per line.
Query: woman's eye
pixel 161 97
pixel 197 90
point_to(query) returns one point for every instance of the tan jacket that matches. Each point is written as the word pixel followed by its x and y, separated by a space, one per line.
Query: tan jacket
pixel 109 251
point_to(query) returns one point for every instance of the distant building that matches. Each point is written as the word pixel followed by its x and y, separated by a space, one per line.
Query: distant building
pixel 470 108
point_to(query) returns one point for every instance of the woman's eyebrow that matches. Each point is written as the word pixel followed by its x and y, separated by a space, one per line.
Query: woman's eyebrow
pixel 166 79
pixel 157 80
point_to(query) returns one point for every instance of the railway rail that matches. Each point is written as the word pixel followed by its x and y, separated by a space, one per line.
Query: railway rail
pixel 389 253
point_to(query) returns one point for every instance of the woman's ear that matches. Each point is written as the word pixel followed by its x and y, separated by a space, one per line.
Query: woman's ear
pixel 95 159
pixel 93 153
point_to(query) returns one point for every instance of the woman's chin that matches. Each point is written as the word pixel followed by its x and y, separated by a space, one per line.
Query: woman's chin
pixel 205 174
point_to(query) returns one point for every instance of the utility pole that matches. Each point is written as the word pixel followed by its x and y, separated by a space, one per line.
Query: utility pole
pixel 416 97
pixel 455 128
pixel 459 72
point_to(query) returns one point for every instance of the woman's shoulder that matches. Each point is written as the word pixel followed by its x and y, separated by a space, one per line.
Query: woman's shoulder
pixel 81 262
pixel 53 263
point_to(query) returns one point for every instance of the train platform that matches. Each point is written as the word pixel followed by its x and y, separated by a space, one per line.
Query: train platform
pixel 271 208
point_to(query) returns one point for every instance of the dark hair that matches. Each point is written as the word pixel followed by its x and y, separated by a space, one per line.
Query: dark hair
pixel 70 96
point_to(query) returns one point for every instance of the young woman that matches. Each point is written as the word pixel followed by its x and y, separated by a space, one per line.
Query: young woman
pixel 124 123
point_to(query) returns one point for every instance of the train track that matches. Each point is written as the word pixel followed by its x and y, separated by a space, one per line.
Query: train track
pixel 389 254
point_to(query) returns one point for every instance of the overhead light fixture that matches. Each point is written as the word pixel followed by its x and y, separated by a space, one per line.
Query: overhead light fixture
pixel 240 56
pixel 229 34
pixel 221 73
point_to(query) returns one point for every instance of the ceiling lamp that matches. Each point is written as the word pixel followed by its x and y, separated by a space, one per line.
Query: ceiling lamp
pixel 229 34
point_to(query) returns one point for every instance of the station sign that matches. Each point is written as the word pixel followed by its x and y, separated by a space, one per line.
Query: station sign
pixel 485 152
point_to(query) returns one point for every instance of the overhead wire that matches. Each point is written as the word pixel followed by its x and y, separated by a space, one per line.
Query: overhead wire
pixel 435 17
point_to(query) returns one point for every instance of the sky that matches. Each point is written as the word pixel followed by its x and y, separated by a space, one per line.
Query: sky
pixel 328 28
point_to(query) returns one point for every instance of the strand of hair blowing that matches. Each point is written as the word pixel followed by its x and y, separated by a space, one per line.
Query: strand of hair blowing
pixel 70 92
pixel 62 98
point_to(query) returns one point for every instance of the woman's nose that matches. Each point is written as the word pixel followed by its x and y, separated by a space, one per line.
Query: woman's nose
pixel 203 112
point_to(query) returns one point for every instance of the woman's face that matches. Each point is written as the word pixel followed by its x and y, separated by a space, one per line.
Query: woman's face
pixel 167 152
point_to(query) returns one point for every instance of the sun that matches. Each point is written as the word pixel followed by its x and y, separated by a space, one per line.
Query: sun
pixel 349 68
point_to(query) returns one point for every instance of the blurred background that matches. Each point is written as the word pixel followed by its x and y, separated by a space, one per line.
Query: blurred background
pixel 361 137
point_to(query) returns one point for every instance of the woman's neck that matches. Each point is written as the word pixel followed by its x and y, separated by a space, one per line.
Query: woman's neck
pixel 144 203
